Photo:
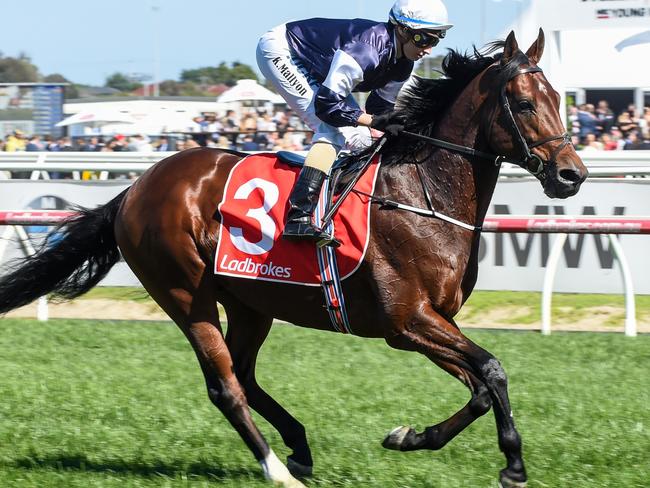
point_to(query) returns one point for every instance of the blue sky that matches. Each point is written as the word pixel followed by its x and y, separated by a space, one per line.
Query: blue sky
pixel 88 41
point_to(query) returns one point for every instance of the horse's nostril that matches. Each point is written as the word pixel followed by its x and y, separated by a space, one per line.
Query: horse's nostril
pixel 570 175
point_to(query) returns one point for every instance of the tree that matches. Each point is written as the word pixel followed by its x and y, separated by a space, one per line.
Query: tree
pixel 211 75
pixel 205 76
pixel 18 70
pixel 70 91
pixel 241 71
pixel 170 88
pixel 122 83
pixel 190 90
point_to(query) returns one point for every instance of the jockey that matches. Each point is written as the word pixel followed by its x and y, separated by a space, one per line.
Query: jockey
pixel 316 65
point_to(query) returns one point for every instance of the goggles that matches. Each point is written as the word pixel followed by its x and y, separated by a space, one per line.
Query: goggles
pixel 425 39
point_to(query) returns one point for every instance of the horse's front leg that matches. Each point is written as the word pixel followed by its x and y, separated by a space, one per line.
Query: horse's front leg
pixel 436 437
pixel 440 340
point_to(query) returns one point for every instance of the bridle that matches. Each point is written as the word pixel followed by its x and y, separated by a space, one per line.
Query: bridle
pixel 531 162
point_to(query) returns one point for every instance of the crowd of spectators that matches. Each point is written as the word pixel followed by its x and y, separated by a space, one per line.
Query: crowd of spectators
pixel 593 128
pixel 255 131
pixel 251 131
pixel 17 141
pixel 598 128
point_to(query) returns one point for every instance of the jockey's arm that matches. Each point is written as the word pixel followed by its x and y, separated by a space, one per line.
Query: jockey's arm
pixel 332 98
pixel 380 101
pixel 347 70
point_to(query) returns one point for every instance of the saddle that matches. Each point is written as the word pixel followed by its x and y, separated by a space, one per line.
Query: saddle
pixel 252 214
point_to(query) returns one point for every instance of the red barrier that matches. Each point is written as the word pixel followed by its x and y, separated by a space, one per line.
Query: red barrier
pixel 567 225
pixel 502 223
pixel 34 217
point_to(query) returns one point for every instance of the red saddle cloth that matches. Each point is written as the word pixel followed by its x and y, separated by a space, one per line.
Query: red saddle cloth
pixel 253 212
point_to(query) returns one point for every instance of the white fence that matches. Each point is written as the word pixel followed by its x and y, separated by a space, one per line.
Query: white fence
pixel 612 226
pixel 39 164
pixel 563 226
pixel 628 164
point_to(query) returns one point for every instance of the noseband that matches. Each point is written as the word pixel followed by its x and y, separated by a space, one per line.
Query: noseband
pixel 531 162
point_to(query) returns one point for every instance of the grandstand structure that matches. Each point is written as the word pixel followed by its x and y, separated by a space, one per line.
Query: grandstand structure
pixel 595 50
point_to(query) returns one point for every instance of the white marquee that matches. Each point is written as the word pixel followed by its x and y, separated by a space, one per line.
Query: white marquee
pixel 592 44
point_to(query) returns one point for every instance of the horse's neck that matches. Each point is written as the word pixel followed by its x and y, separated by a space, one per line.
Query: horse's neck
pixel 468 186
pixel 460 188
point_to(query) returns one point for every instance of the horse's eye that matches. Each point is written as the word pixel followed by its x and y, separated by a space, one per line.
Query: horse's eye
pixel 526 106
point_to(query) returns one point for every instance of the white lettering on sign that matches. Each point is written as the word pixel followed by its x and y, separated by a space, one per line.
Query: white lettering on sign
pixel 260 214
pixel 247 266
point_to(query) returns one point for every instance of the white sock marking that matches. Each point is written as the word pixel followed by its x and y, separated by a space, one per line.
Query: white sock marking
pixel 274 469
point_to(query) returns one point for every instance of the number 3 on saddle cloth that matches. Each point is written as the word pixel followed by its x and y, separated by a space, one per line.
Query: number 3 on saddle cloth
pixel 253 212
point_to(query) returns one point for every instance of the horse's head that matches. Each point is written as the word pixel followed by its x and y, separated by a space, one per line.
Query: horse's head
pixel 526 124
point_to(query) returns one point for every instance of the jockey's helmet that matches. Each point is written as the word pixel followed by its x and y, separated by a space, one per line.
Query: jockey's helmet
pixel 429 15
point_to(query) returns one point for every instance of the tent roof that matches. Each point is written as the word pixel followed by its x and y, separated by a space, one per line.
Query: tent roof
pixel 607 58
pixel 249 90
pixel 97 117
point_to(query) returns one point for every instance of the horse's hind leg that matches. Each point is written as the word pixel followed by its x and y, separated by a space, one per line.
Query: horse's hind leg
pixel 182 285
pixel 247 330
pixel 440 340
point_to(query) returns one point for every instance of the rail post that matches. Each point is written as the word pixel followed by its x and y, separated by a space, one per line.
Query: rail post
pixel 628 286
pixel 549 278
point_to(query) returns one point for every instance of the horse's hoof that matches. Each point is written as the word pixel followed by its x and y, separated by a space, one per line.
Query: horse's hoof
pixel 292 483
pixel 299 470
pixel 288 483
pixel 395 438
pixel 277 473
pixel 505 482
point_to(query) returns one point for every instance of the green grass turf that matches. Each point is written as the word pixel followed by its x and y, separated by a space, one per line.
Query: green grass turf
pixel 122 404
pixel 514 307
pixel 525 307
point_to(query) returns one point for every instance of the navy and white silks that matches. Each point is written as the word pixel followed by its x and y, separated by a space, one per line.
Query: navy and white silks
pixel 317 64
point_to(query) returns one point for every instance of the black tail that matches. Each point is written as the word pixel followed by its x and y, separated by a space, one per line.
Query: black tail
pixel 74 258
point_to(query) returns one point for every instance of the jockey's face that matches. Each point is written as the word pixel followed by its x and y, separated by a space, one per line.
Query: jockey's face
pixel 414 53
pixel 424 38
pixel 417 44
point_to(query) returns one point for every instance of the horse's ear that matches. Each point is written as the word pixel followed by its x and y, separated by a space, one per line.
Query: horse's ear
pixel 510 48
pixel 535 51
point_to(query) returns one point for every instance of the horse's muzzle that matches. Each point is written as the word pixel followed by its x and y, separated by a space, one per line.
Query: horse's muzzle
pixel 564 181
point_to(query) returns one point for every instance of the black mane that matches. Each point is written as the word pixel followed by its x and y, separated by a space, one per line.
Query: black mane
pixel 426 100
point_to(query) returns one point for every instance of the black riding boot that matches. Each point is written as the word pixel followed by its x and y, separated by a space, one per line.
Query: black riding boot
pixel 303 201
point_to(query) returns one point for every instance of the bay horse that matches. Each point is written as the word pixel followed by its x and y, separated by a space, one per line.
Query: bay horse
pixel 415 276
